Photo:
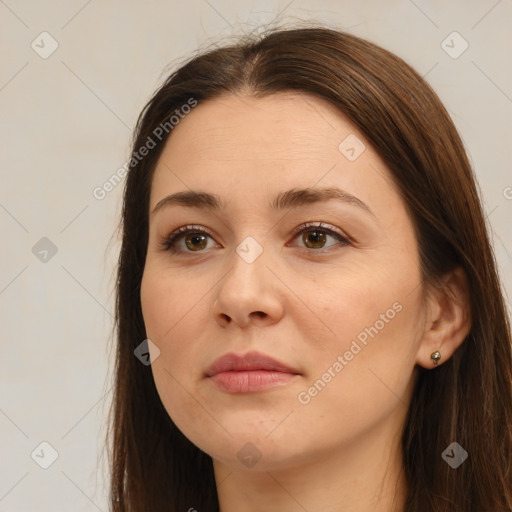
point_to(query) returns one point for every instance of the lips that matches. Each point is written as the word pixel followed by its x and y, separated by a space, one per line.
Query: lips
pixel 252 361
pixel 249 373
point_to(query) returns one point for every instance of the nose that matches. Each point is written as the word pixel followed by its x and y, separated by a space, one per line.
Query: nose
pixel 249 293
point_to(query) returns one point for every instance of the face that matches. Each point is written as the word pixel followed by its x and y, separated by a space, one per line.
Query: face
pixel 327 284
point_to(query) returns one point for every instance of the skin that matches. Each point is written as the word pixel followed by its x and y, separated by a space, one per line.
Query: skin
pixel 341 450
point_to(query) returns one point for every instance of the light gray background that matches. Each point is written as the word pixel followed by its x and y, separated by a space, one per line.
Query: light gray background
pixel 66 122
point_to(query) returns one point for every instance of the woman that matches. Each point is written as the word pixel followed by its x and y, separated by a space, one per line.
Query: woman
pixel 306 265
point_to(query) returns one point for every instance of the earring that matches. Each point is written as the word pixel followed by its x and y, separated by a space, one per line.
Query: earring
pixel 436 356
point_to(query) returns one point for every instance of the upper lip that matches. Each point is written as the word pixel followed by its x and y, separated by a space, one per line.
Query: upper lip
pixel 248 362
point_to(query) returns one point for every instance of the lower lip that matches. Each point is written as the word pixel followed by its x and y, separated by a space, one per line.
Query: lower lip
pixel 251 381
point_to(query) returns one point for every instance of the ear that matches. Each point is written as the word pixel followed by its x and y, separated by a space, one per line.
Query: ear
pixel 448 319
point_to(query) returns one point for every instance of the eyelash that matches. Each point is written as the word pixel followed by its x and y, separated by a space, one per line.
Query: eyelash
pixel 168 243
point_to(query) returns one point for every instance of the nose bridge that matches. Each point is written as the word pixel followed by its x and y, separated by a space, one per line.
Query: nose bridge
pixel 249 262
pixel 249 250
pixel 248 286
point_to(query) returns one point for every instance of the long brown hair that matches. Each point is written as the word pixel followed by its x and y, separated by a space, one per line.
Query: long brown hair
pixel 468 399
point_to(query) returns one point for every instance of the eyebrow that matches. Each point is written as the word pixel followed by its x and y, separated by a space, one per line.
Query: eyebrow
pixel 294 198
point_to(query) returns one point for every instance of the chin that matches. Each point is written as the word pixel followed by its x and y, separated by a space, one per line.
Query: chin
pixel 258 455
pixel 253 449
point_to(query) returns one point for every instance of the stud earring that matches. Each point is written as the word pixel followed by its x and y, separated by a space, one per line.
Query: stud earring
pixel 436 356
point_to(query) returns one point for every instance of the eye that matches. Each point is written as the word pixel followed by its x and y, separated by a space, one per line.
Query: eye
pixel 314 236
pixel 195 238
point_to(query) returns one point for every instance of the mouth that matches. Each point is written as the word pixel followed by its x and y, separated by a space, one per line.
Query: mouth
pixel 249 373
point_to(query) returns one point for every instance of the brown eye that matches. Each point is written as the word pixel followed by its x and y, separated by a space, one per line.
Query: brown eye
pixel 189 239
pixel 186 239
pixel 314 239
pixel 195 241
pixel 315 236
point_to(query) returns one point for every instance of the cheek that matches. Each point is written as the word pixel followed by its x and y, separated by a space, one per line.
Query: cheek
pixel 175 309
pixel 167 303
pixel 156 303
pixel 168 317
pixel 169 322
pixel 360 296
pixel 373 315
pixel 365 375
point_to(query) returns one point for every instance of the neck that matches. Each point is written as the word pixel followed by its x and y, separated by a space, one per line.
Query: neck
pixel 365 476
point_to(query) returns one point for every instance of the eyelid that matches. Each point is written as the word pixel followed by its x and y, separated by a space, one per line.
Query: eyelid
pixel 322 226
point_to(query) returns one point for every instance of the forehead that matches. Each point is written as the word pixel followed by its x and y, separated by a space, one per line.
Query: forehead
pixel 285 125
